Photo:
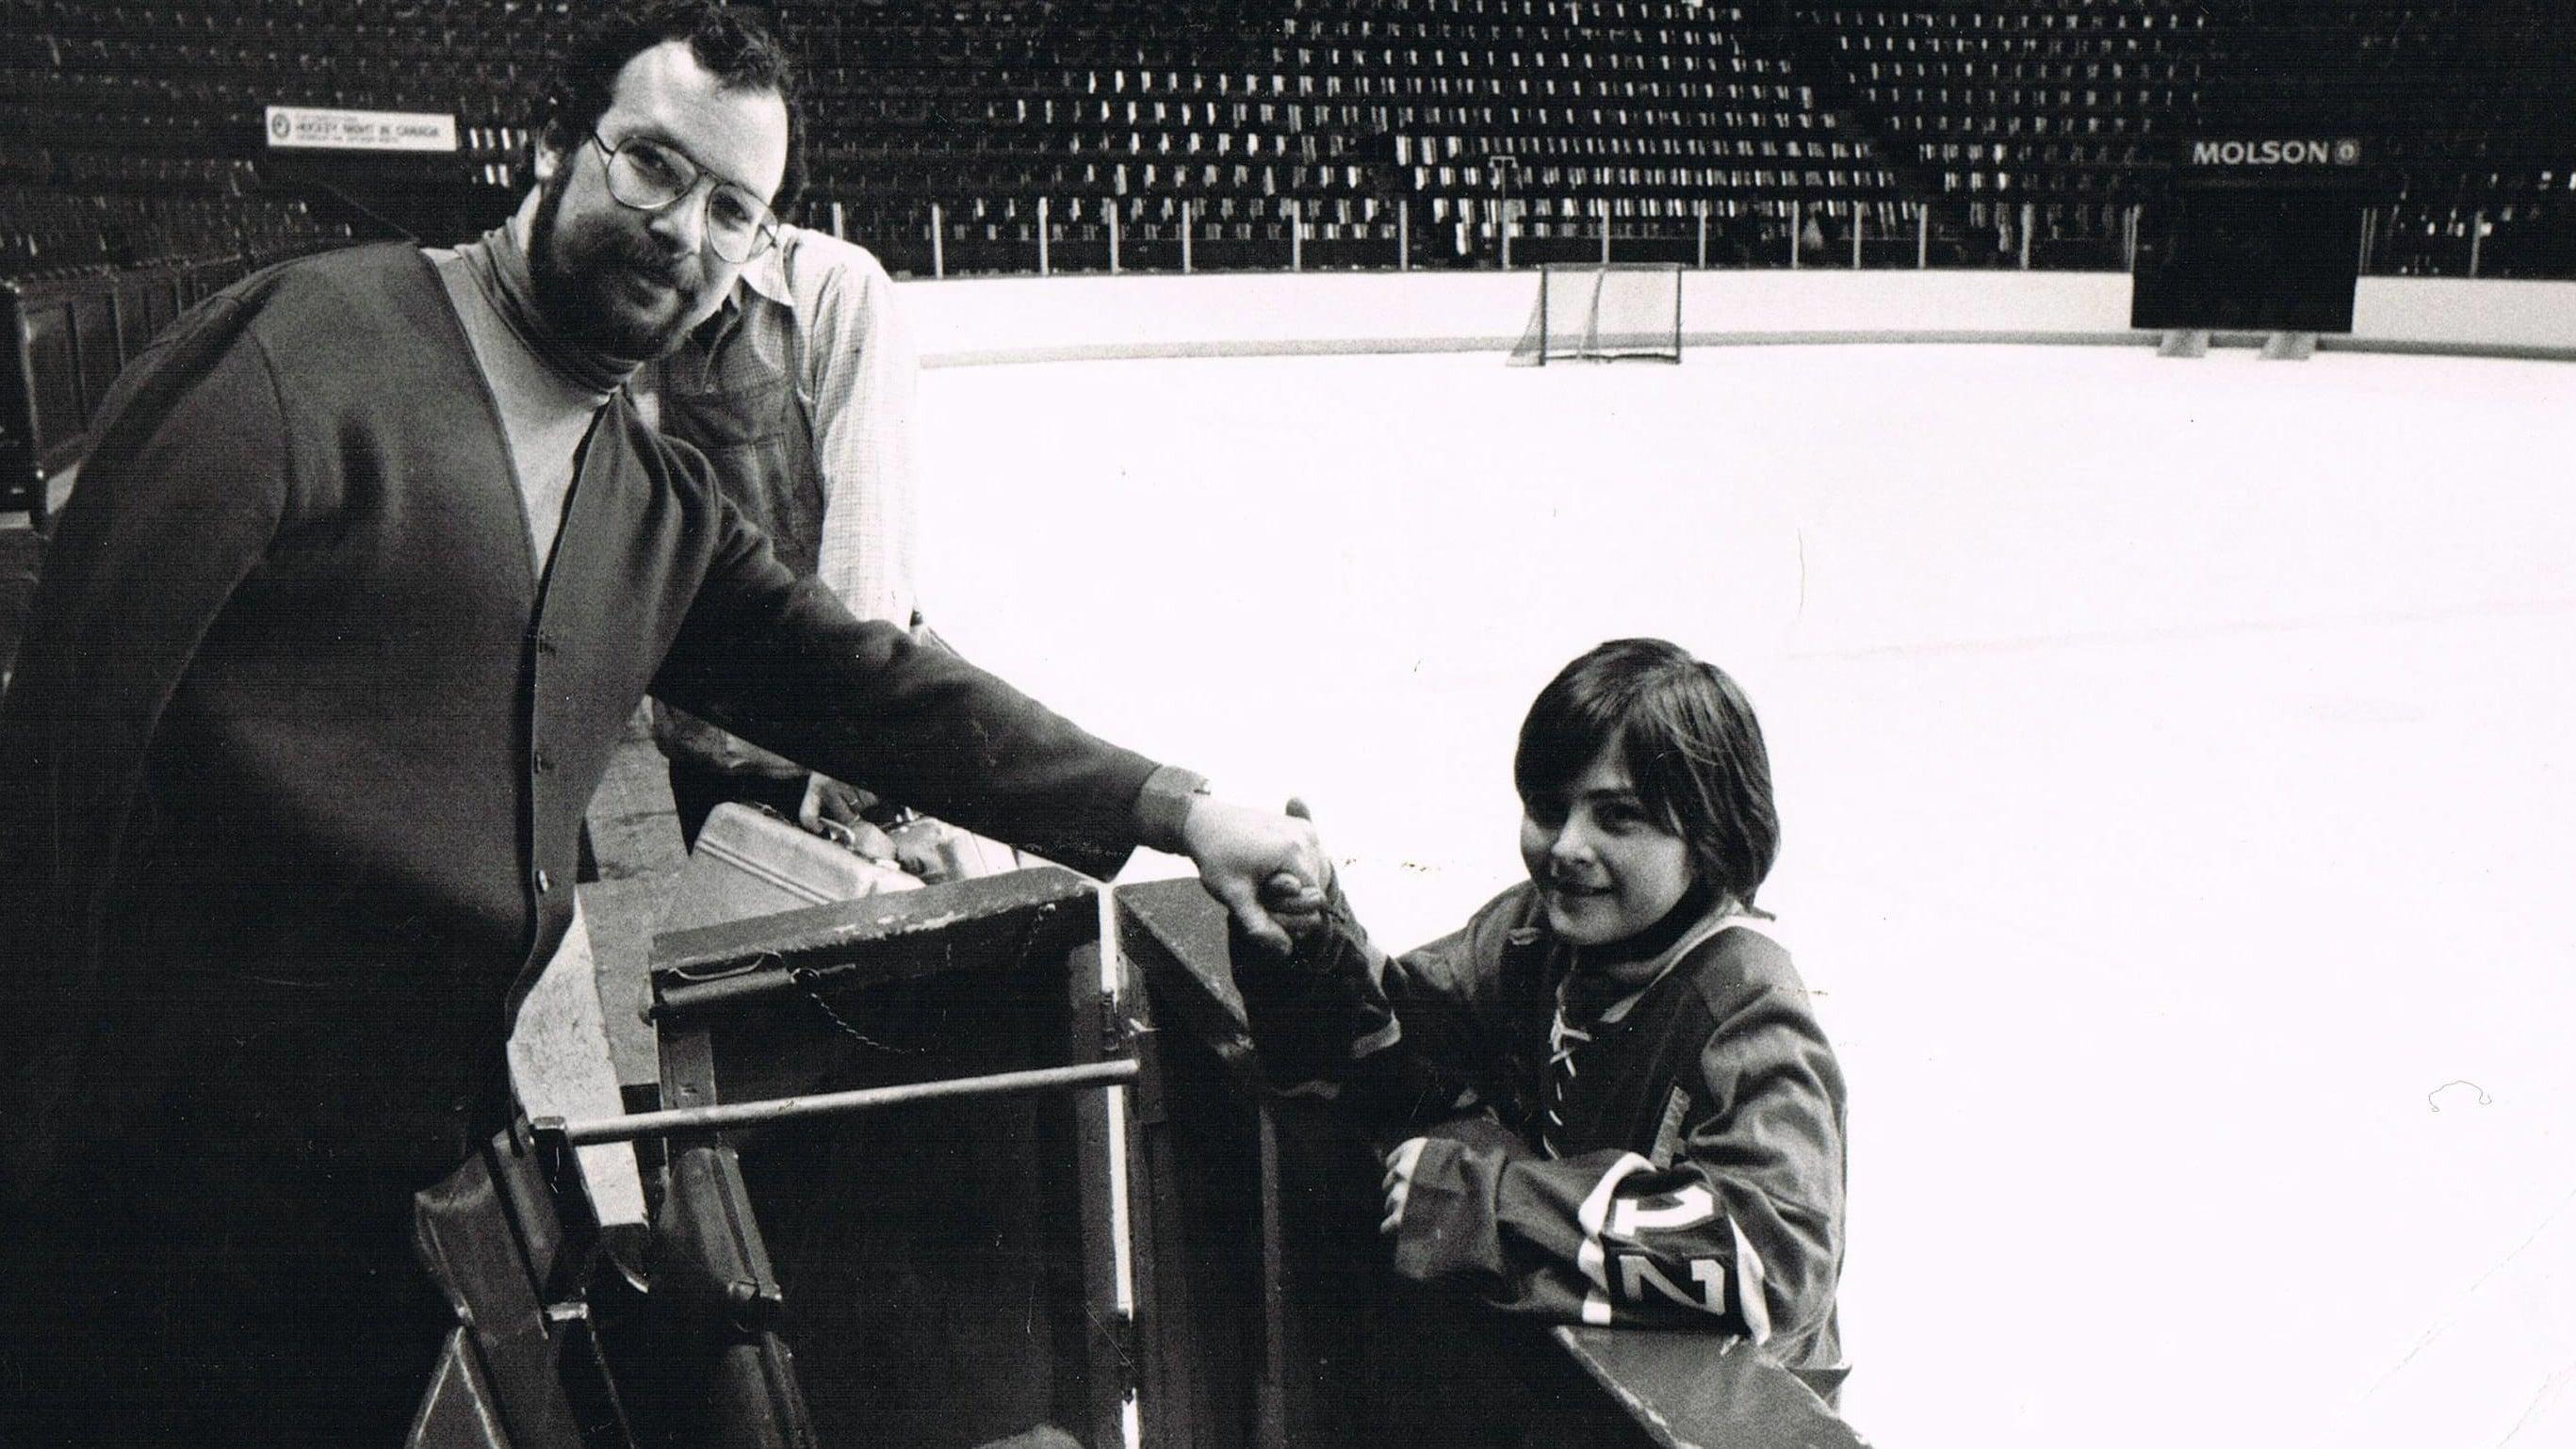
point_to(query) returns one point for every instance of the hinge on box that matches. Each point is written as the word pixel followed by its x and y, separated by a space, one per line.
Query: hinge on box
pixel 1118 1031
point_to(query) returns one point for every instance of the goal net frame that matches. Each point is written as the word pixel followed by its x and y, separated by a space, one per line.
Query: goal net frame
pixel 1569 319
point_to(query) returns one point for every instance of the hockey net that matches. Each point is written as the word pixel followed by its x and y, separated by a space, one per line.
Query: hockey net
pixel 1601 310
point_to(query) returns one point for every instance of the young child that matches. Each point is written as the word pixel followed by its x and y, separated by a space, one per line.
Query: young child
pixel 1605 1100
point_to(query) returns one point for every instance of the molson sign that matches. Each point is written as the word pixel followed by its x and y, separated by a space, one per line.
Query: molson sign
pixel 2342 152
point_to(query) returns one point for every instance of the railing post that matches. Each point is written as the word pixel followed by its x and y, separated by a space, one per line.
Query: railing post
pixel 2132 228
pixel 2477 239
pixel 1296 235
pixel 1113 238
pixel 2028 213
pixel 1703 236
pixel 1856 219
pixel 1922 236
pixel 1605 231
pixel 1797 230
pixel 1043 228
pixel 838 230
pixel 1188 225
pixel 938 241
pixel 1404 234
pixel 1104 1133
pixel 1503 225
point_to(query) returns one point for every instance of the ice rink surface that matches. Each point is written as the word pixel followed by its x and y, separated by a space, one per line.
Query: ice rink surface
pixel 2177 762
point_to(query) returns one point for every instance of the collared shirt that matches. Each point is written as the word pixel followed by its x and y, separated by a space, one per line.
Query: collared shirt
pixel 824 311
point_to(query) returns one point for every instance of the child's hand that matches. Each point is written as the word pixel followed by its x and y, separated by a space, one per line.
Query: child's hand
pixel 1398 1182
pixel 1297 906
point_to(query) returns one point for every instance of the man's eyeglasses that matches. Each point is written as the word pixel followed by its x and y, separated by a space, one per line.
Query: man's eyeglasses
pixel 648 175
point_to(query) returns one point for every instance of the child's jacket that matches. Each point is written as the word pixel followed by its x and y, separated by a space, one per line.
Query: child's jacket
pixel 1676 1161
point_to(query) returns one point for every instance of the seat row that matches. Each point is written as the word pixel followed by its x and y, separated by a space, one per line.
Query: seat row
pixel 1358 98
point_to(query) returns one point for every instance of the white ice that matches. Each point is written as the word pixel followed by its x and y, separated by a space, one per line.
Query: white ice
pixel 2177 762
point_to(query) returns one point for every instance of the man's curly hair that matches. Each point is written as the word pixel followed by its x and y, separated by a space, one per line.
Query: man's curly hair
pixel 739 51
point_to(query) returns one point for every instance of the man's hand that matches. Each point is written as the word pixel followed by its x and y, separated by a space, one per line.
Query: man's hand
pixel 829 802
pixel 1262 867
pixel 837 812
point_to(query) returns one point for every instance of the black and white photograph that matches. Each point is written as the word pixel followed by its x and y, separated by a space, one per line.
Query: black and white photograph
pixel 1287 724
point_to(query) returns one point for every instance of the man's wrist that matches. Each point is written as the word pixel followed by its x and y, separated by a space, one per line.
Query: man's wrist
pixel 1163 807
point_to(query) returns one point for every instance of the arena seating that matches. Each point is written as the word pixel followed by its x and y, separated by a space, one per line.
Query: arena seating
pixel 1989 107
pixel 2075 106
pixel 1341 120
pixel 2464 103
pixel 1026 135
pixel 69 333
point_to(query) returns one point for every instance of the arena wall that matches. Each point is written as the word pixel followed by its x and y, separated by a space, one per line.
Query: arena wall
pixel 2455 314
pixel 967 322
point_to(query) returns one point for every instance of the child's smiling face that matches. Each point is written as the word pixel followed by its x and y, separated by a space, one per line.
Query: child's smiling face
pixel 1607 867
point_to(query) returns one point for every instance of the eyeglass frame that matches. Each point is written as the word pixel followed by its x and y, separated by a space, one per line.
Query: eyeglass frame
pixel 764 232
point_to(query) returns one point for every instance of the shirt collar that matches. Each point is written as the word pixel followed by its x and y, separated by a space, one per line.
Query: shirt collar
pixel 765 277
pixel 766 274
pixel 1724 917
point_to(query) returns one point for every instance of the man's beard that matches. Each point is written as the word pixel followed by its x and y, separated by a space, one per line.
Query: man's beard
pixel 576 275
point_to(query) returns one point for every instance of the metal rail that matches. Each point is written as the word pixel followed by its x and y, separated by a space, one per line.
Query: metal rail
pixel 827 1104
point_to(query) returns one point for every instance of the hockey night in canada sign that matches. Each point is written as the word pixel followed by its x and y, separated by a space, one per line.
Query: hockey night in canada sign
pixel 321 128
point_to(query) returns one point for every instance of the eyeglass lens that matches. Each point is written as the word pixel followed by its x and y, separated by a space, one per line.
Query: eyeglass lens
pixel 649 176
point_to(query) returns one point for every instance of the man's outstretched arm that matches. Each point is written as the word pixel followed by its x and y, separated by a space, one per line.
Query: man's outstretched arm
pixel 783 663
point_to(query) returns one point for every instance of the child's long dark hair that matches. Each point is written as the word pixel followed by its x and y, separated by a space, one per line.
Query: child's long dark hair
pixel 1690 743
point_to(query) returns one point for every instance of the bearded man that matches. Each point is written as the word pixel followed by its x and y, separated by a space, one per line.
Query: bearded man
pixel 370 562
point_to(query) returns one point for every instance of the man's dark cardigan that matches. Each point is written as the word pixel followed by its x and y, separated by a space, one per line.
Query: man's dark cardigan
pixel 295 760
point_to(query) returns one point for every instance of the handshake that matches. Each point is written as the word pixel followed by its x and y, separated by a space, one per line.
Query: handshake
pixel 1268 871
pixel 1299 904
pixel 1316 1006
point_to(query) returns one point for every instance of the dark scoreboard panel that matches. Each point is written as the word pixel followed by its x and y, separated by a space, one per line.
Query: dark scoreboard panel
pixel 2256 234
pixel 2248 261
